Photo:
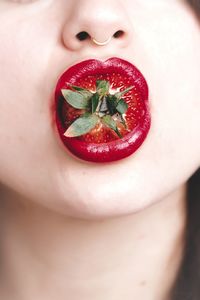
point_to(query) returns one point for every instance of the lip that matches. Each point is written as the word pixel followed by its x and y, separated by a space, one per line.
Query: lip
pixel 117 149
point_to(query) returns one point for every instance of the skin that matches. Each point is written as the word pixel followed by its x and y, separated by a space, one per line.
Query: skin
pixel 58 211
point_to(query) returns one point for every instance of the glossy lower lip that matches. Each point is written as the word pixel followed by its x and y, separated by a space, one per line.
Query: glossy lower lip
pixel 118 149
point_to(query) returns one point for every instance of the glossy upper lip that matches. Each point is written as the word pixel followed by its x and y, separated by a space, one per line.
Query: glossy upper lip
pixel 87 58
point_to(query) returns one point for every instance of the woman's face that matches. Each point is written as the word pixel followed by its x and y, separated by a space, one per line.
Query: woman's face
pixel 38 42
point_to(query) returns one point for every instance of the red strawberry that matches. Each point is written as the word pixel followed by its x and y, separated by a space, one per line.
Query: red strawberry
pixel 96 120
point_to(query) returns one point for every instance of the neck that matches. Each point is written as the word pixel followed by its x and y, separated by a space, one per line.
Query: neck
pixel 48 256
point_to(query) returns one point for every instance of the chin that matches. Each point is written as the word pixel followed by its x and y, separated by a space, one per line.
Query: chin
pixel 101 202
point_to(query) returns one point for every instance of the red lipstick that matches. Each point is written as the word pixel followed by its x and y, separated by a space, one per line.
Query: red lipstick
pixel 102 144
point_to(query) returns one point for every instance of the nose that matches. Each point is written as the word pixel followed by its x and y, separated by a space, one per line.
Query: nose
pixel 96 23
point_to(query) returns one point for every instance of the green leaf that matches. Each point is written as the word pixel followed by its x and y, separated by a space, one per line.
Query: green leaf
pixel 120 94
pixel 86 93
pixel 102 87
pixel 94 102
pixel 82 125
pixel 122 106
pixel 108 120
pixel 75 99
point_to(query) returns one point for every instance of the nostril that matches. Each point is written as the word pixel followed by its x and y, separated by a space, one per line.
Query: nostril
pixel 118 34
pixel 83 35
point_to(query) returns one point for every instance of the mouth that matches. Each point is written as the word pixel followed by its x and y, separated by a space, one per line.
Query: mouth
pixel 102 109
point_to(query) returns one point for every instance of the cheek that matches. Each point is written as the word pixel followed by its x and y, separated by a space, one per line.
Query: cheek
pixel 25 93
pixel 174 72
pixel 30 158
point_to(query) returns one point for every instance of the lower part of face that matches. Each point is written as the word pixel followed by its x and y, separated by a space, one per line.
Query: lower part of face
pixel 164 45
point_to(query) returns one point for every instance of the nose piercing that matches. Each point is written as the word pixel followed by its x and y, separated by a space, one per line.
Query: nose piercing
pixel 101 43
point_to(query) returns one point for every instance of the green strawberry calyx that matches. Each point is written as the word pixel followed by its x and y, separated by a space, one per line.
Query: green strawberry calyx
pixel 99 106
